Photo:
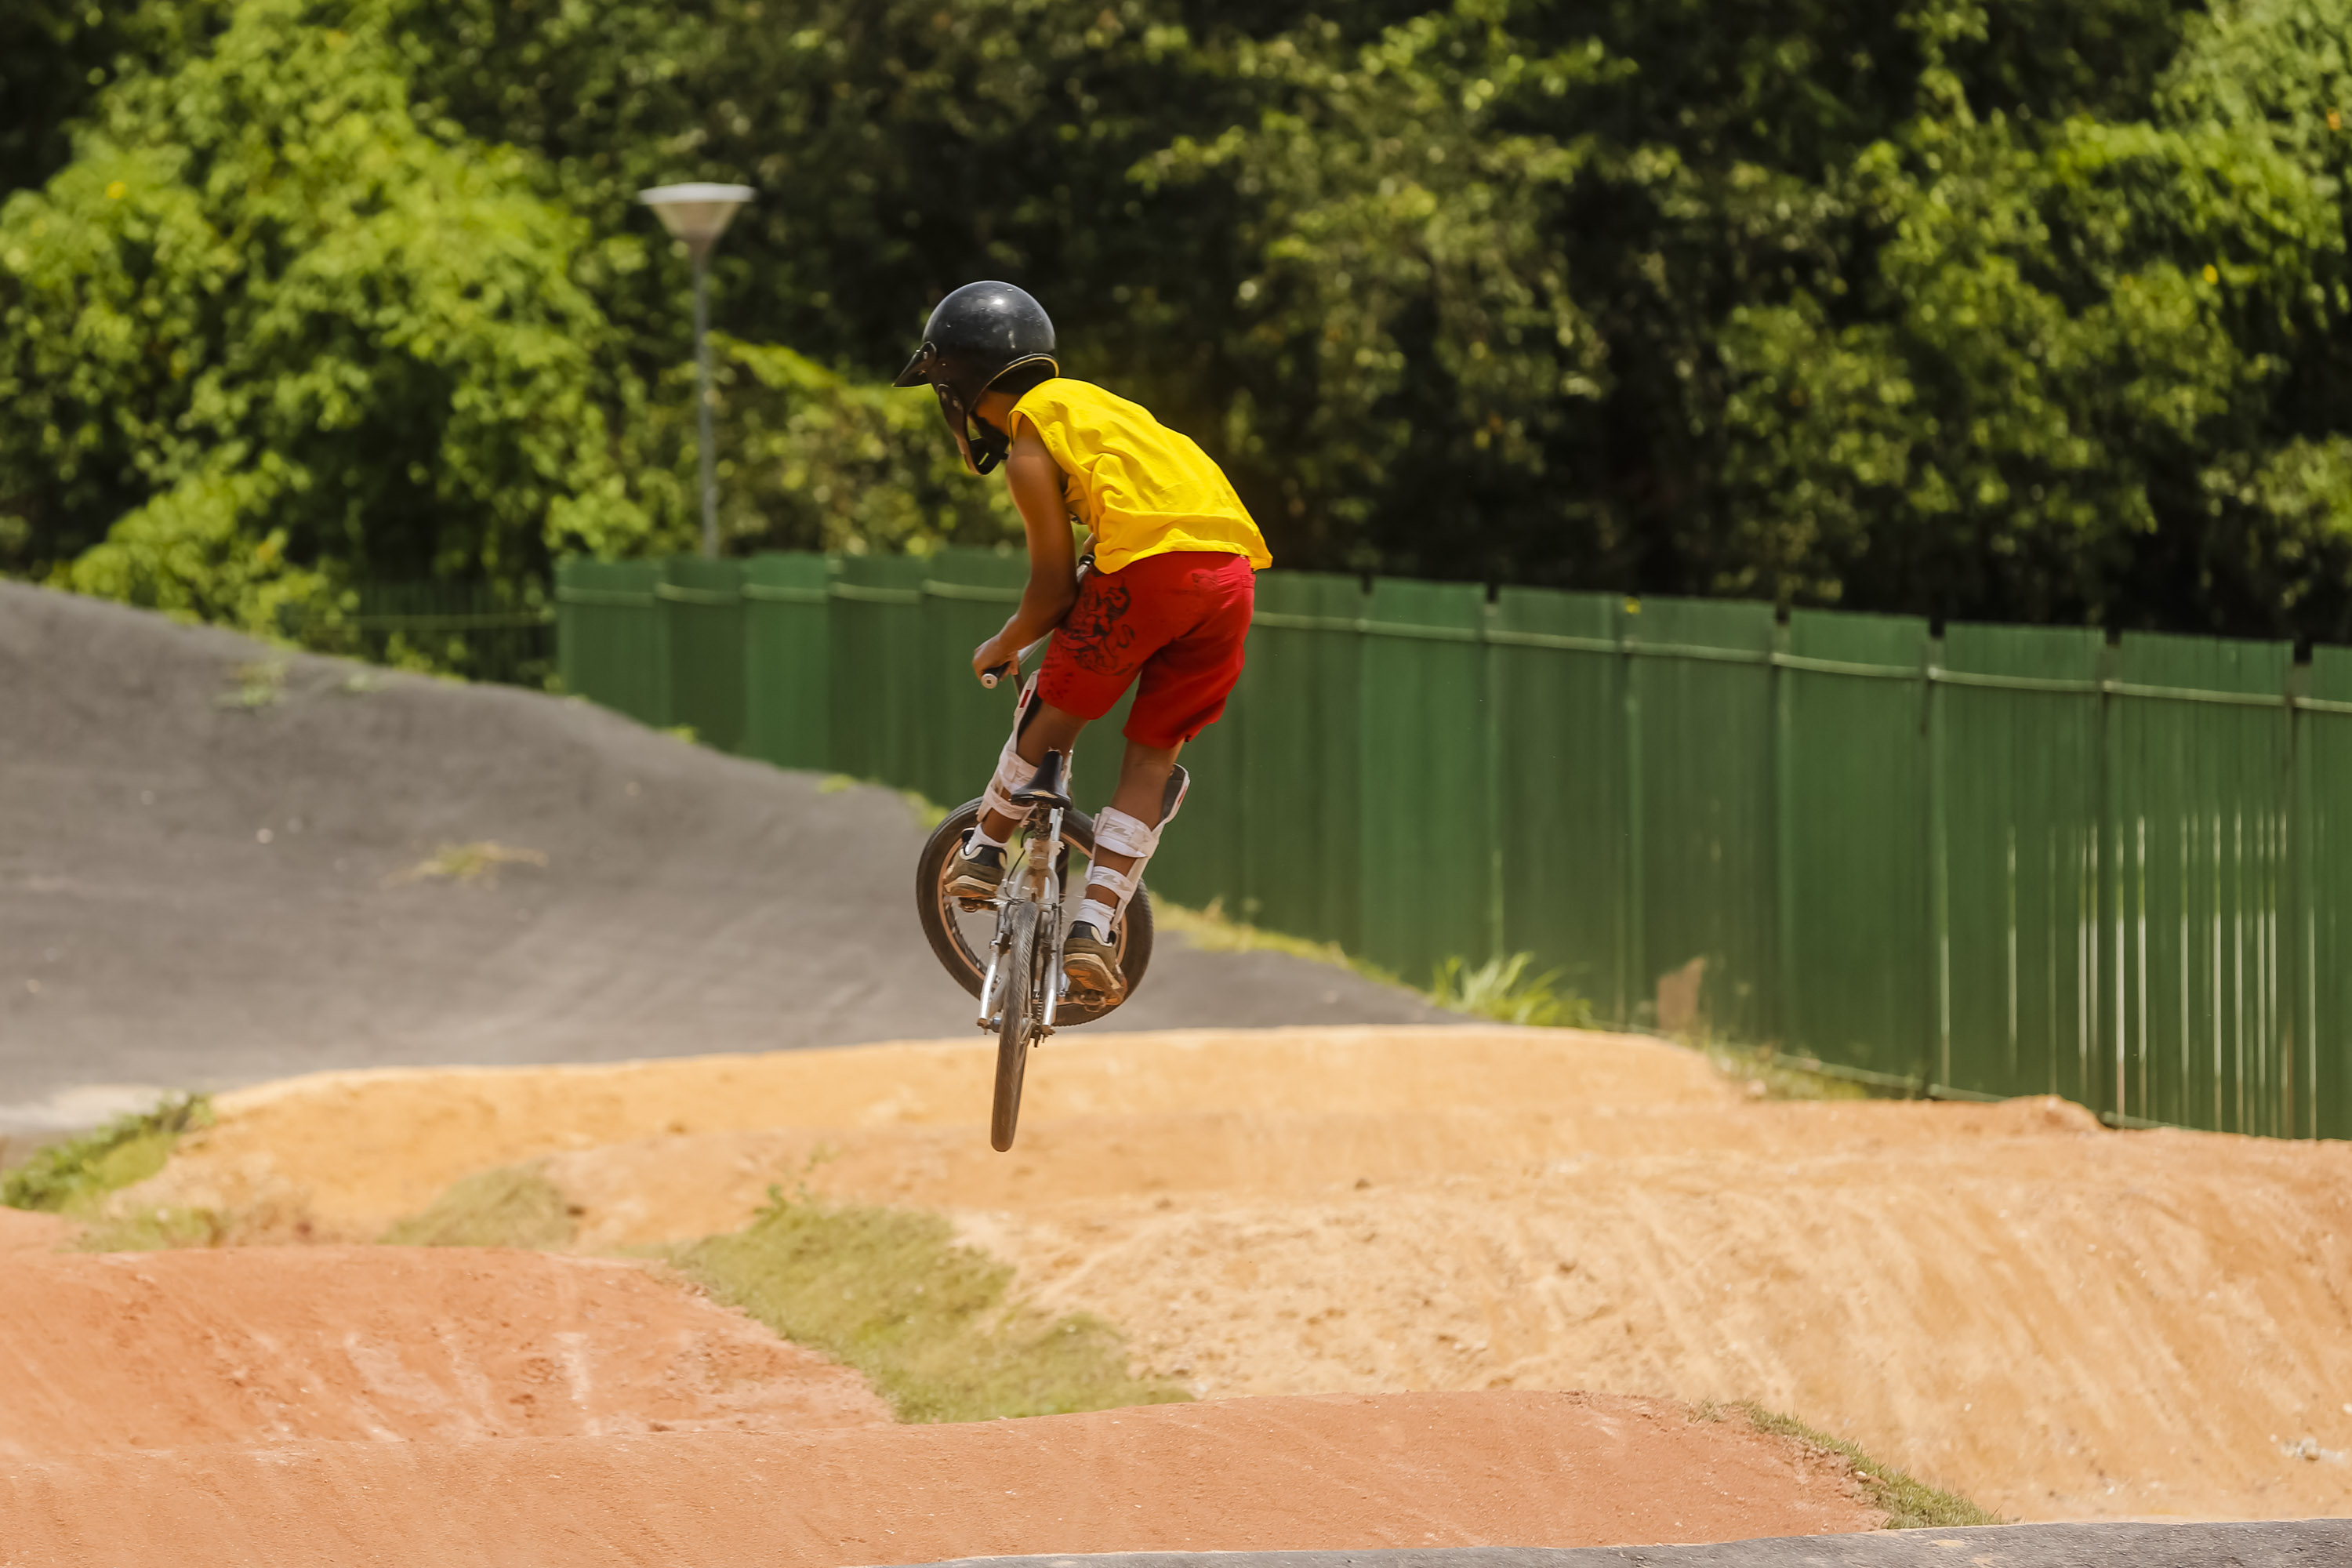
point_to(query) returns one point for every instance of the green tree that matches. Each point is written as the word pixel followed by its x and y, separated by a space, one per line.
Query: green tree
pixel 1967 306
pixel 267 333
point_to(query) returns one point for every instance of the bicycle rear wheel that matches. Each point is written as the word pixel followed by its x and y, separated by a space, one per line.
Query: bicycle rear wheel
pixel 1017 987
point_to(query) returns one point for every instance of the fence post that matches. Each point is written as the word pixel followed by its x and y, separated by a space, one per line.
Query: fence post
pixel 1939 871
pixel 612 639
pixel 2108 886
pixel 2296 873
pixel 1634 961
pixel 1490 699
pixel 1784 838
pixel 787 654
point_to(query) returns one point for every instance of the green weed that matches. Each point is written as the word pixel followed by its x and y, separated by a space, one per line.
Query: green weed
pixel 515 1205
pixel 69 1178
pixel 889 1292
pixel 928 812
pixel 1503 990
pixel 1768 1076
pixel 477 861
pixel 1908 1504
pixel 261 684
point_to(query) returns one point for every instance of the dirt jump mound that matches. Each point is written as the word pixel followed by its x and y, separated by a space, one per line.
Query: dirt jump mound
pixel 220 862
pixel 2052 1319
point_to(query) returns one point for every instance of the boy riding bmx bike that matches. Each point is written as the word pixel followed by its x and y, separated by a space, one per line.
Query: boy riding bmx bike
pixel 1165 605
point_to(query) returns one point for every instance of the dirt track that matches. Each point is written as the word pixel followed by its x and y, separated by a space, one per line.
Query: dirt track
pixel 333 1404
pixel 1417 1470
pixel 196 895
pixel 2056 1320
pixel 194 1349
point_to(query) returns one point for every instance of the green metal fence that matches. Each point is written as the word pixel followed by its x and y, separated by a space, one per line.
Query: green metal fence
pixel 2004 860
pixel 480 630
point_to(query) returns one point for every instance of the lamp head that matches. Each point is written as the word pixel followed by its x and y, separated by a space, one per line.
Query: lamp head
pixel 696 213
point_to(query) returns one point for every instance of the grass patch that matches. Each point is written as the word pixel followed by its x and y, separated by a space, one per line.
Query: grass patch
pixel 476 862
pixel 154 1230
pixel 1500 989
pixel 1503 990
pixel 1211 929
pixel 515 1205
pixel 1766 1075
pixel 889 1292
pixel 69 1178
pixel 1908 1504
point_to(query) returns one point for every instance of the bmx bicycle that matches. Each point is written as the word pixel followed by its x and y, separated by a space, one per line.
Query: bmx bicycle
pixel 1007 951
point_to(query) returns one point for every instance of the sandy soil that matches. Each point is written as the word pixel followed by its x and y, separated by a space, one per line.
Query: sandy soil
pixel 278 1345
pixel 1410 1470
pixel 2057 1320
pixel 352 1152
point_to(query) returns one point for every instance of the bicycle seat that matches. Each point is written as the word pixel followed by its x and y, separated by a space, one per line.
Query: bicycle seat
pixel 1049 785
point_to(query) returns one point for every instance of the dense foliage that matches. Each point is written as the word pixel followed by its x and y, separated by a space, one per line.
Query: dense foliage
pixel 1978 308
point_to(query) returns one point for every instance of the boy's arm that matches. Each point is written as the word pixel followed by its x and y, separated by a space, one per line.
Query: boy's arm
pixel 1036 481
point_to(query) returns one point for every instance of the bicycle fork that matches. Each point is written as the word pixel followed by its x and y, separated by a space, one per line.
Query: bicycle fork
pixel 1045 890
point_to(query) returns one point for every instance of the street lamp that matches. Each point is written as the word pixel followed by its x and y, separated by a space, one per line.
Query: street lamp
pixel 699 214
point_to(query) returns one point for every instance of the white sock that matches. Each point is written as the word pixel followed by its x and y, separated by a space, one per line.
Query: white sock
pixel 1098 915
pixel 979 840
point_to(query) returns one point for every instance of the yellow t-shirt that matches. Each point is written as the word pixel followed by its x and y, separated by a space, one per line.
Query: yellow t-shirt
pixel 1139 487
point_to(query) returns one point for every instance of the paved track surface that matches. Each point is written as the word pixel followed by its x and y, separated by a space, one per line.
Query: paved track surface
pixel 197 893
pixel 2298 1543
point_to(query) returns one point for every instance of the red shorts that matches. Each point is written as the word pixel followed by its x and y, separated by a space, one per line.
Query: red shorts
pixel 1179 619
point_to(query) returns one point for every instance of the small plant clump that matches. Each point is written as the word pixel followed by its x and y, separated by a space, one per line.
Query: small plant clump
pixel 891 1293
pixel 68 1178
pixel 1907 1503
pixel 515 1205
pixel 1503 990
pixel 1767 1075
pixel 476 862
pixel 260 684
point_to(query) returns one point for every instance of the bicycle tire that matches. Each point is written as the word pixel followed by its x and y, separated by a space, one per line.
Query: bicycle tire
pixel 969 969
pixel 1016 1023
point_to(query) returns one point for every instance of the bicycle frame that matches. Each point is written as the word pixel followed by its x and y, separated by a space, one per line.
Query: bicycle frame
pixel 1034 882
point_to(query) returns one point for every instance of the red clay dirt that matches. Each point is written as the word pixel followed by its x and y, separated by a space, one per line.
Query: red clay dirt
pixel 1333 1471
pixel 268 1345
pixel 21 1231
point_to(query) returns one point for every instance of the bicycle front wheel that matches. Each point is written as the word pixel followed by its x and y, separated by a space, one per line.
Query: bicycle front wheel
pixel 961 937
pixel 1017 1024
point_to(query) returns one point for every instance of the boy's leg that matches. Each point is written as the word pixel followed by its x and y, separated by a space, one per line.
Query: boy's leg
pixel 1049 729
pixel 979 865
pixel 1142 785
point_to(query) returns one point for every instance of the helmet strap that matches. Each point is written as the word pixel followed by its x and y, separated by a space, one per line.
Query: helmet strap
pixel 989 446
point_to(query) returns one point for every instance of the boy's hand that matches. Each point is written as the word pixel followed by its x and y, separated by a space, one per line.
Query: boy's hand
pixel 992 654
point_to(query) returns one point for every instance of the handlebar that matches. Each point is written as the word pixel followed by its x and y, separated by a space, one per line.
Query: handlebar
pixel 988 678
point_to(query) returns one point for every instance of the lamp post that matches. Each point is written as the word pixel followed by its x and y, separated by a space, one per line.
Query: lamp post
pixel 699 214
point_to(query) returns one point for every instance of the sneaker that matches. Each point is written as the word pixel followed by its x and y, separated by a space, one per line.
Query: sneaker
pixel 973 881
pixel 1090 963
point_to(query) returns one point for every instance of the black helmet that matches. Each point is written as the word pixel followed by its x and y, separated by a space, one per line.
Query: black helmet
pixel 976 334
